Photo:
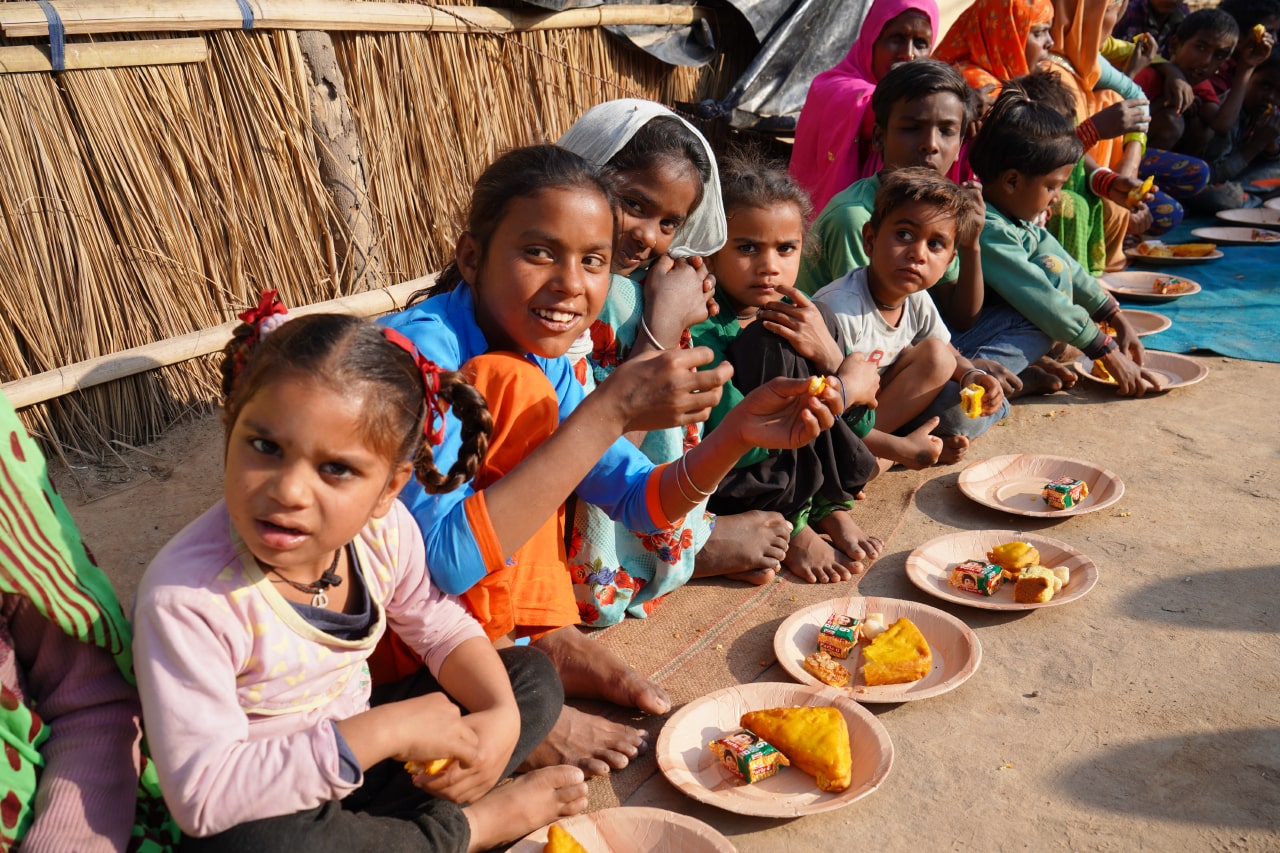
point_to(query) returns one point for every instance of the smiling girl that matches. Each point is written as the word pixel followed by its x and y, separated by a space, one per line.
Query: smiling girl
pixel 531 274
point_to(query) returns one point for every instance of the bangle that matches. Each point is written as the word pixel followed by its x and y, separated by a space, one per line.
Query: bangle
pixel 681 464
pixel 680 486
pixel 1136 136
pixel 644 327
pixel 1101 180
pixel 965 375
pixel 844 400
pixel 1087 133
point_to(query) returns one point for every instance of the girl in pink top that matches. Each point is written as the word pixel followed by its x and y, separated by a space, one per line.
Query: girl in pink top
pixel 254 624
pixel 833 135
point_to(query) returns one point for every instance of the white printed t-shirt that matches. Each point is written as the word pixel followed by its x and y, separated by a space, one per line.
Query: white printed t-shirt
pixel 865 329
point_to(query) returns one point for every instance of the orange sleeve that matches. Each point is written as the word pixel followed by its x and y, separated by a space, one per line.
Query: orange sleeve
pixel 482 528
pixel 653 500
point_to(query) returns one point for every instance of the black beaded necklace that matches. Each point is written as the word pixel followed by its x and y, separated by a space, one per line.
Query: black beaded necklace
pixel 319 598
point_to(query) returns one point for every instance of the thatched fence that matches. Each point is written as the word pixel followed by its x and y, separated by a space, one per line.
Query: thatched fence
pixel 151 201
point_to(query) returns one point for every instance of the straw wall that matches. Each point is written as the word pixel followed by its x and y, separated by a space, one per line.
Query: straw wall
pixel 144 203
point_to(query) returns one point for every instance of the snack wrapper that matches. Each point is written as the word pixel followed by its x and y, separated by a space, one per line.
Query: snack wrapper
pixel 977 577
pixel 1064 492
pixel 748 756
pixel 839 634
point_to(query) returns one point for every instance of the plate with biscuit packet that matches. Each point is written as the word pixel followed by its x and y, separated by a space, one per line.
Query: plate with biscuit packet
pixel 955 648
pixel 930 567
pixel 631 829
pixel 690 765
pixel 1015 484
pixel 1177 371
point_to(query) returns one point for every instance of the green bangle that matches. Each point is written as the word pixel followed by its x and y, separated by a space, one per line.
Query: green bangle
pixel 1136 136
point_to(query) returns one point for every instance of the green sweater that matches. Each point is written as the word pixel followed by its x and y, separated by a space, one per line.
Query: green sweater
pixel 1026 266
pixel 838 231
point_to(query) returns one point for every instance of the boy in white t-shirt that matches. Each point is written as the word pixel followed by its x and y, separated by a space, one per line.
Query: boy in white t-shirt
pixel 883 309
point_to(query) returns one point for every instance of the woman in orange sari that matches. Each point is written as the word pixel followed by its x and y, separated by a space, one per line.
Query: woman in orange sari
pixel 997 40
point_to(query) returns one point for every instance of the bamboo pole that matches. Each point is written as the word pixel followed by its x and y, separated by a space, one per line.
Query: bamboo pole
pixel 22 59
pixel 83 17
pixel 118 365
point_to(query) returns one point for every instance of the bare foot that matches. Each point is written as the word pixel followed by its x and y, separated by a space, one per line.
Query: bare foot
pixel 918 448
pixel 1046 376
pixel 812 559
pixel 748 546
pixel 587 741
pixel 849 538
pixel 524 804
pixel 954 448
pixel 591 670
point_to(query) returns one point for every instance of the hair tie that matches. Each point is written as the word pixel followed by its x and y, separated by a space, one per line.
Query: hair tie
pixel 263 319
pixel 430 372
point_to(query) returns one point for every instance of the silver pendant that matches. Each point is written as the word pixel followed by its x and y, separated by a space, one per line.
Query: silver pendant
pixel 320 599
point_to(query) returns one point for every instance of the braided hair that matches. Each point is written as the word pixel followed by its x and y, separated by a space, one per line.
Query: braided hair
pixel 350 354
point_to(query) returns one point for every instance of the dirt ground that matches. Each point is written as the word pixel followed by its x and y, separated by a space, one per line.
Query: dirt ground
pixel 1145 716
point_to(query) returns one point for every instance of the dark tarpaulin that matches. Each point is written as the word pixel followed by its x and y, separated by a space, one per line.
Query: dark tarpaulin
pixel 798 39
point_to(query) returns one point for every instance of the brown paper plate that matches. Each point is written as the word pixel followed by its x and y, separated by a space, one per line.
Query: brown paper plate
pixel 1260 216
pixel 1177 371
pixel 956 650
pixel 691 767
pixel 1157 261
pixel 929 567
pixel 1236 235
pixel 1271 184
pixel 633 830
pixel 1140 286
pixel 1013 484
pixel 1145 322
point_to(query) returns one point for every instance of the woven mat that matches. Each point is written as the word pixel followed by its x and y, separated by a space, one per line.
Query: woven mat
pixel 716 633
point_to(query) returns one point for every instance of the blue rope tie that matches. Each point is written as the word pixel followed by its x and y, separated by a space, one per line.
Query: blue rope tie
pixel 246 13
pixel 57 36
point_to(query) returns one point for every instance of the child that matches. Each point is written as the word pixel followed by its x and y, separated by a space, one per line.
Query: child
pixel 918 220
pixel 1251 150
pixel 767 328
pixel 1156 18
pixel 69 711
pixel 254 623
pixel 1039 294
pixel 531 274
pixel 1248 15
pixel 833 134
pixel 665 177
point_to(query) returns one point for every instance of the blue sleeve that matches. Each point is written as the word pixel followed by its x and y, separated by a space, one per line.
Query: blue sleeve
pixel 617 482
pixel 1110 77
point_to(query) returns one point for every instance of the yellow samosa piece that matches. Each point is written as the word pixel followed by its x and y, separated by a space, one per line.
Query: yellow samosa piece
pixel 560 841
pixel 816 740
pixel 897 656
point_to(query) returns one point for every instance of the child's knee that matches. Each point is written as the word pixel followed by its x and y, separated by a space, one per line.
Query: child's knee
pixel 939 355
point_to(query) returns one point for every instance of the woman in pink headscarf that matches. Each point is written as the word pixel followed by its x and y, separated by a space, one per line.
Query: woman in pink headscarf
pixel 833 136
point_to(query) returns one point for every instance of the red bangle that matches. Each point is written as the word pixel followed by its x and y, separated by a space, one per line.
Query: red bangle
pixel 1100 182
pixel 1087 133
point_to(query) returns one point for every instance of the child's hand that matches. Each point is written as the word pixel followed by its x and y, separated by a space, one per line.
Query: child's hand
pixel 861 380
pixel 432 726
pixel 1121 188
pixel 1131 379
pixel 665 389
pixel 1140 219
pixel 801 325
pixel 1009 381
pixel 677 295
pixel 1144 50
pixel 1128 116
pixel 1127 338
pixel 993 396
pixel 1253 52
pixel 1178 95
pixel 973 189
pixel 783 414
pixel 467 781
pixel 1267 128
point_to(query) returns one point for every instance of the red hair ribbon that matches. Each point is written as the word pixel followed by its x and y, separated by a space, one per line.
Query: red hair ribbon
pixel 269 305
pixel 430 385
pixel 264 319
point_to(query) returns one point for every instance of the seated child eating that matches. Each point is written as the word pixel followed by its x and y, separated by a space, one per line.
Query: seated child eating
pixel 918 220
pixel 1038 294
pixel 767 328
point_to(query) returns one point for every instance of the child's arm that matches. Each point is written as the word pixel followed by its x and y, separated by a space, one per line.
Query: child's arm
pixel 961 303
pixel 89 780
pixel 800 324
pixel 1178 94
pixel 967 373
pixel 1220 118
pixel 678 294
pixel 838 232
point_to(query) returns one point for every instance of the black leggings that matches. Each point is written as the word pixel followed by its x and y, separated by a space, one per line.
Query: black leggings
pixel 387 814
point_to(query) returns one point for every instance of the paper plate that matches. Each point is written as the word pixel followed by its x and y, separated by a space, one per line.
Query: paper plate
pixel 1178 370
pixel 1238 235
pixel 956 650
pixel 633 830
pixel 1146 322
pixel 1013 483
pixel 929 567
pixel 1261 216
pixel 1156 261
pixel 1140 286
pixel 691 767
pixel 1270 184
